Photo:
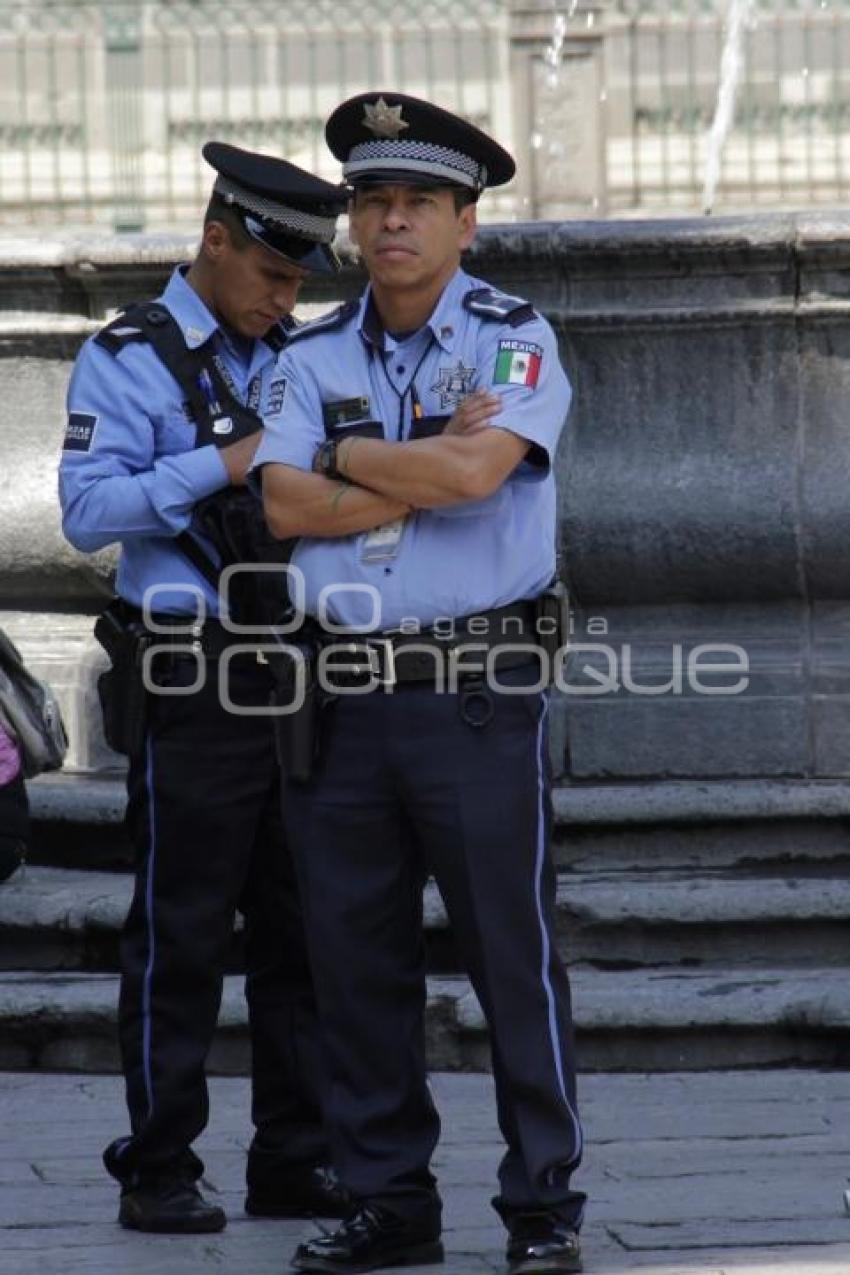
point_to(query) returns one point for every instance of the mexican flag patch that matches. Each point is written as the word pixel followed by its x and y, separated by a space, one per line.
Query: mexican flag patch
pixel 518 363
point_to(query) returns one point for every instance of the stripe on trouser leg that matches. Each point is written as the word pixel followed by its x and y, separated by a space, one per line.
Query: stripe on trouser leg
pixel 146 986
pixel 554 1035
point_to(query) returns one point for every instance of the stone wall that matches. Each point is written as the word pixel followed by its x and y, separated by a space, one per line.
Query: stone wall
pixel 703 476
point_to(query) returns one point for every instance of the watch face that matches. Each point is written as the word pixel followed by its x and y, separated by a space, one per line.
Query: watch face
pixel 327 457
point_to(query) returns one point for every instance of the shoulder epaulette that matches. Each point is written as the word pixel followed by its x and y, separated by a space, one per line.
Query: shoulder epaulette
pixel 489 304
pixel 325 322
pixel 130 325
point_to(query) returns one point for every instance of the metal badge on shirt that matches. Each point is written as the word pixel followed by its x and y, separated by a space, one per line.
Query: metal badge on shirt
pixel 453 384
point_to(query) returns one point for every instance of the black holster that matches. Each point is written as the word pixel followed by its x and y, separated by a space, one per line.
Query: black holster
pixel 552 619
pixel 121 689
pixel 297 732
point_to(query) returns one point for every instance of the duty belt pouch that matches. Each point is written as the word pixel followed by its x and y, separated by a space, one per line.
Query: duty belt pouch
pixel 121 689
pixel 297 732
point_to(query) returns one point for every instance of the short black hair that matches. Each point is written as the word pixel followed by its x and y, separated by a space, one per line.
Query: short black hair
pixel 219 210
pixel 463 197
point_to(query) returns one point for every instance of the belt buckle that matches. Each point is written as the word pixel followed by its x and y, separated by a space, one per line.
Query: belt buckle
pixel 371 648
pixel 390 677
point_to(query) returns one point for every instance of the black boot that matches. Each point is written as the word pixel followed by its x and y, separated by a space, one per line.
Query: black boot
pixel 168 1204
pixel 313 1191
pixel 542 1244
pixel 371 1238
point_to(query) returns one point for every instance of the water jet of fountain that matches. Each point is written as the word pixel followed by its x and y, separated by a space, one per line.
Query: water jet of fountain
pixel 731 65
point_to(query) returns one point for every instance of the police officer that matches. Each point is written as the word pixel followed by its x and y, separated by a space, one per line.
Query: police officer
pixel 166 407
pixel 414 459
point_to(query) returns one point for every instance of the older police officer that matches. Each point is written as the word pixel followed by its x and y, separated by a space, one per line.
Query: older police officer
pixel 413 456
pixel 166 407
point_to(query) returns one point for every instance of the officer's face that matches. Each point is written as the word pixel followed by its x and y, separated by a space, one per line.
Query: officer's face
pixel 410 235
pixel 252 287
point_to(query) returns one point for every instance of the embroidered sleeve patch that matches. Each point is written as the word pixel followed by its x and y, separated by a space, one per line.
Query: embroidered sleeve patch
pixel 518 363
pixel 277 393
pixel 79 432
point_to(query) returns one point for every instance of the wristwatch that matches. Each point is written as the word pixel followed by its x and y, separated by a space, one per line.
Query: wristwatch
pixel 325 462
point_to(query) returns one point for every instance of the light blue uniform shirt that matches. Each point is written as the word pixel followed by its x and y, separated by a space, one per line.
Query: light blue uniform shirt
pixel 460 559
pixel 130 471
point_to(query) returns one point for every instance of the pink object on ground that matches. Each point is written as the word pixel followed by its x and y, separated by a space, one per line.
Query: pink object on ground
pixel 10 757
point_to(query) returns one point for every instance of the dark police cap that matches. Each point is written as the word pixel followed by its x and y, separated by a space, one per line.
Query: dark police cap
pixel 287 210
pixel 391 138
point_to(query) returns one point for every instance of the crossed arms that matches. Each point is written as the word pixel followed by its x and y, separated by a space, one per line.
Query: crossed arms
pixel 469 461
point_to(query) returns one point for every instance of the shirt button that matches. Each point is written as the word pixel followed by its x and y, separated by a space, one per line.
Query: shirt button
pixel 400 370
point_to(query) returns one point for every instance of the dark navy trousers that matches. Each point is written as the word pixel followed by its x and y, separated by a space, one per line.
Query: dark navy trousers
pixel 204 816
pixel 406 787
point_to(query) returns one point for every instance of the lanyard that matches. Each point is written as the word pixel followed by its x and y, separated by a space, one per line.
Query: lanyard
pixel 251 398
pixel 410 388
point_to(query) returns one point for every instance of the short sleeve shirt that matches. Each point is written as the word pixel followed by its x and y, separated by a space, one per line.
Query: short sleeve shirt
pixel 455 560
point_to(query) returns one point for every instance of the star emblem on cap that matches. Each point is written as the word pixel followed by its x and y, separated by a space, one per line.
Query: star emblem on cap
pixel 383 120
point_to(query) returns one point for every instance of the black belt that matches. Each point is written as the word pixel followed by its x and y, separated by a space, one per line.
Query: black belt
pixel 188 637
pixel 392 656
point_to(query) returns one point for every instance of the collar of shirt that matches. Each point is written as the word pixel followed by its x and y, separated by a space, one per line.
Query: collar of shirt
pixel 443 320
pixel 197 322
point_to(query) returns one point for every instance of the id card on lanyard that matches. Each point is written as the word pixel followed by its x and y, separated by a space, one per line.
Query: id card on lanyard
pixel 382 543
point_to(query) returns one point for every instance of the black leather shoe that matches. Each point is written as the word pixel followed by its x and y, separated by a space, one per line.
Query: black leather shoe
pixel 168 1206
pixel 371 1238
pixel 542 1244
pixel 312 1192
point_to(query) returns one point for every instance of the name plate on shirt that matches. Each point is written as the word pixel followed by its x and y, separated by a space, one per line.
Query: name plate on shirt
pixel 343 411
pixel 383 542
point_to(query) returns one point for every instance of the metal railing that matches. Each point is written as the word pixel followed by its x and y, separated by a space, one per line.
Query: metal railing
pixel 791 140
pixel 104 106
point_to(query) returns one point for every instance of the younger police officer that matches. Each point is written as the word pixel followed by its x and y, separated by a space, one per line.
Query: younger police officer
pixel 166 407
pixel 428 414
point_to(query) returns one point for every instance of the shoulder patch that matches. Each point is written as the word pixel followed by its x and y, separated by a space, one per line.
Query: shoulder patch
pixel 487 303
pixel 325 322
pixel 79 432
pixel 518 363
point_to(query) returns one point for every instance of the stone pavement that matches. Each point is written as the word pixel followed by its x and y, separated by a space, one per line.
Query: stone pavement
pixel 706 1173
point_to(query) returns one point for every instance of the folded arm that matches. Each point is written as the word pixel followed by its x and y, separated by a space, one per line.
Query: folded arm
pixel 300 504
pixel 430 472
pixel 112 484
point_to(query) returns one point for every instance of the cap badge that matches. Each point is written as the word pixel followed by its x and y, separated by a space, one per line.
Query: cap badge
pixel 383 120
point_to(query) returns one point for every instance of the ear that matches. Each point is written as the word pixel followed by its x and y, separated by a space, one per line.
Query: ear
pixel 215 240
pixel 467 220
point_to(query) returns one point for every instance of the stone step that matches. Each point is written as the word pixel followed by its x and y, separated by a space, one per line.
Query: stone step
pixel 54 919
pixel 635 1021
pixel 77 823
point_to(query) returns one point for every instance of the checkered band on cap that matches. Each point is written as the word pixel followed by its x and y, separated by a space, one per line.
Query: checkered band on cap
pixel 307 225
pixel 417 157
